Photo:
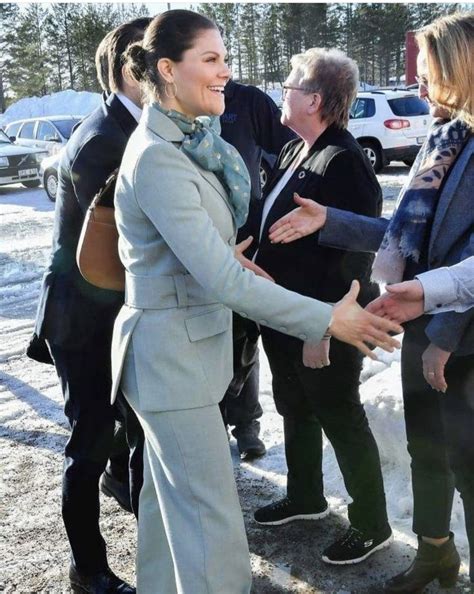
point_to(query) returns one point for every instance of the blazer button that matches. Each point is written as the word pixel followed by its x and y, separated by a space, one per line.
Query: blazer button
pixel 283 329
pixel 264 322
pixel 303 337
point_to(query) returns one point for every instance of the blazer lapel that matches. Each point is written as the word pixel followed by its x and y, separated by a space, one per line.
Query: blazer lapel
pixel 161 125
pixel 274 181
pixel 448 191
pixel 213 180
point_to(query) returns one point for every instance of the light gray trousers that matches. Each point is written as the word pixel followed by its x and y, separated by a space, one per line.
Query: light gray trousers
pixel 191 534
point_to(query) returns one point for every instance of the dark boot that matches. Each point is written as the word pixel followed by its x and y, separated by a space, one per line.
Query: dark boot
pixel 104 582
pixel 431 562
pixel 249 444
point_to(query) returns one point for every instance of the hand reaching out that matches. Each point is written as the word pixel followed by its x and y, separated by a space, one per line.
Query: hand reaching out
pixel 245 262
pixel 352 324
pixel 402 302
pixel 304 220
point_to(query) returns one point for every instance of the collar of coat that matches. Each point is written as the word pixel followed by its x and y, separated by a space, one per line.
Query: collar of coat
pixel 161 125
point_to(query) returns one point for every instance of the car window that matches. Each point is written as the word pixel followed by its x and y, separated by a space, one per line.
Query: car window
pixel 27 130
pixel 45 129
pixel 66 126
pixel 4 138
pixel 409 106
pixel 12 129
pixel 362 108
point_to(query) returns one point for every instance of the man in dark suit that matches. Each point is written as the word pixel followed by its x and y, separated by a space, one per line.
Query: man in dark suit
pixel 251 123
pixel 76 319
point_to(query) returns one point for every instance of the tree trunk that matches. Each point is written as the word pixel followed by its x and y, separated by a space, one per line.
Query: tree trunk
pixel 2 94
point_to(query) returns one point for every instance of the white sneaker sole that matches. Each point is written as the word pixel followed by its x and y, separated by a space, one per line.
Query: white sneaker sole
pixel 318 516
pixel 383 545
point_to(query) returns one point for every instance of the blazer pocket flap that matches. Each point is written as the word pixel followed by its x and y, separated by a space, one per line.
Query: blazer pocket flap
pixel 208 324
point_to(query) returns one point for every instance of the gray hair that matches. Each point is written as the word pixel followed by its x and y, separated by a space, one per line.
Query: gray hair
pixel 334 76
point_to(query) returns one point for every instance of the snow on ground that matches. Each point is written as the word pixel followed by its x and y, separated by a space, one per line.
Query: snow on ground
pixel 33 431
pixel 64 103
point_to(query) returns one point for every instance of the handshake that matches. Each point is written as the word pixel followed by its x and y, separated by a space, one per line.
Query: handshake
pixel 350 323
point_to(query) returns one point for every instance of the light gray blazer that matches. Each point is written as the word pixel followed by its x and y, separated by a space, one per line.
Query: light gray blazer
pixel 177 238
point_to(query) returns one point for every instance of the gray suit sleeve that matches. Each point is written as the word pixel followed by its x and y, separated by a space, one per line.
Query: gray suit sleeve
pixel 174 207
pixel 346 230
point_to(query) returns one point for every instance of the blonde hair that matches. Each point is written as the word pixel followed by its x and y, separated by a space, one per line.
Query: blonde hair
pixel 449 46
pixel 334 76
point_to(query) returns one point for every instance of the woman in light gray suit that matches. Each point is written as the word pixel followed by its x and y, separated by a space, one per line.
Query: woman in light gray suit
pixel 181 193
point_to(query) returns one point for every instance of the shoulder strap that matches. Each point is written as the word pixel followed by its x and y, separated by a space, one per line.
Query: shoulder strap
pixel 105 190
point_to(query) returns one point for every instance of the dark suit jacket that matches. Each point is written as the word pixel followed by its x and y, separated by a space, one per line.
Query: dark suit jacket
pixel 70 309
pixel 335 173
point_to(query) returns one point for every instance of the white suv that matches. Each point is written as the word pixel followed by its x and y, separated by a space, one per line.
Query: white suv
pixel 390 125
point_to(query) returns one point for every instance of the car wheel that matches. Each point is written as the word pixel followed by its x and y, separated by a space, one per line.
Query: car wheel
pixel 374 155
pixel 264 173
pixel 34 183
pixel 50 182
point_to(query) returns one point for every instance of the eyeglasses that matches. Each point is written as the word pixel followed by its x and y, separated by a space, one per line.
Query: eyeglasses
pixel 422 80
pixel 286 88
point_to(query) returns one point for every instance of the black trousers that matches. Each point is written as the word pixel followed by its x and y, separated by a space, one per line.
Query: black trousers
pixel 315 400
pixel 440 434
pixel 85 377
pixel 240 405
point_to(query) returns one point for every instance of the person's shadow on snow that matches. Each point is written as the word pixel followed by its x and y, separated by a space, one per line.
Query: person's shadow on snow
pixel 43 406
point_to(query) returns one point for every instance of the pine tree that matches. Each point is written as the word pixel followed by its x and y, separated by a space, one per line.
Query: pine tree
pixel 27 61
pixel 9 16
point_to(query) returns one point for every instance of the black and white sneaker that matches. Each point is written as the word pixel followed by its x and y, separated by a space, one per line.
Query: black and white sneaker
pixel 284 511
pixel 355 546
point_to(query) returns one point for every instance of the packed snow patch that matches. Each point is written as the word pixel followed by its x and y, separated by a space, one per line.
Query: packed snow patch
pixel 63 103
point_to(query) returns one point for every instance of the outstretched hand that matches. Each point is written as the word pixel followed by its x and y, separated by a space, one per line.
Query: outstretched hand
pixel 402 302
pixel 309 217
pixel 354 325
pixel 245 262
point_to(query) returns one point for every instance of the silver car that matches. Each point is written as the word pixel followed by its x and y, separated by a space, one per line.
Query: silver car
pixel 49 133
pixel 18 164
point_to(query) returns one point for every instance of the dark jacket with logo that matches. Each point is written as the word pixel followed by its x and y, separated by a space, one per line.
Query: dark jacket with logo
pixel 335 173
pixel 250 123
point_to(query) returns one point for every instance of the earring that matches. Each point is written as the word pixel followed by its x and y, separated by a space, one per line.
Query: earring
pixel 175 90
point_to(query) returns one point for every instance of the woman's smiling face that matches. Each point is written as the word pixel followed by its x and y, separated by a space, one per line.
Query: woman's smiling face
pixel 200 77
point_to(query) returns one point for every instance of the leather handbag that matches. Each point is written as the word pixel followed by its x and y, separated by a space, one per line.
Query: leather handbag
pixel 97 251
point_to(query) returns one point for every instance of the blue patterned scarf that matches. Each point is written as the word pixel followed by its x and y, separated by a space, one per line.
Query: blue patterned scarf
pixel 204 145
pixel 411 222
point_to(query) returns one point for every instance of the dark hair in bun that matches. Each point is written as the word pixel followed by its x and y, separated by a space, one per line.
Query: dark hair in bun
pixel 135 58
pixel 110 53
pixel 169 35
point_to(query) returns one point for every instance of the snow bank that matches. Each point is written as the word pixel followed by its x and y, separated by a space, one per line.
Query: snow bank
pixel 64 103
